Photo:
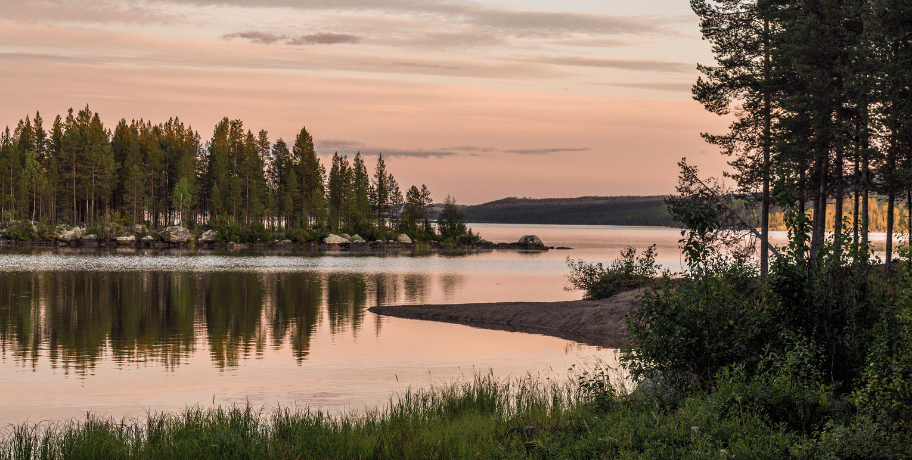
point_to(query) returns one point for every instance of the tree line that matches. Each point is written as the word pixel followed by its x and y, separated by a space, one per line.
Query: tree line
pixel 821 93
pixel 77 171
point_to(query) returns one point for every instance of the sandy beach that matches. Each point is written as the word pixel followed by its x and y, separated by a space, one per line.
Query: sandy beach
pixel 594 322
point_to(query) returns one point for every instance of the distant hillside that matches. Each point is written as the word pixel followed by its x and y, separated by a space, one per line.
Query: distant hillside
pixel 587 210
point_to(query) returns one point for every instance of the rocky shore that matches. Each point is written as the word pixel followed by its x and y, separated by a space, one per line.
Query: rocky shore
pixel 594 322
pixel 177 237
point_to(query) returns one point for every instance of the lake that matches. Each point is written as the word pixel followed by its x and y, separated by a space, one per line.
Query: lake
pixel 126 333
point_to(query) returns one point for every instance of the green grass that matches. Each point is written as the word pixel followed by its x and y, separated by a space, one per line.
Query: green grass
pixel 591 417
pixel 459 420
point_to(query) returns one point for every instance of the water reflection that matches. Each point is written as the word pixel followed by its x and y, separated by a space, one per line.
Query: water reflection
pixel 74 317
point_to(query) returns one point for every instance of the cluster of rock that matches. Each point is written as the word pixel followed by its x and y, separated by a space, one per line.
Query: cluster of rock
pixel 178 236
pixel 527 243
pixel 345 240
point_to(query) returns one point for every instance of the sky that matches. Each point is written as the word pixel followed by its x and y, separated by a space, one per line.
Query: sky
pixel 477 100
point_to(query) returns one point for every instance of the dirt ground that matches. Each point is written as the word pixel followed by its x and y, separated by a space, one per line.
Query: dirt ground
pixel 595 322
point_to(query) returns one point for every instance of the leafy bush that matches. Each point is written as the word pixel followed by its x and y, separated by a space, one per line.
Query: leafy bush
pixel 624 274
pixel 687 333
pixel 21 230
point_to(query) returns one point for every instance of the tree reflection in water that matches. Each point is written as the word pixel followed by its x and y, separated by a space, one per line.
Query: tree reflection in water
pixel 74 317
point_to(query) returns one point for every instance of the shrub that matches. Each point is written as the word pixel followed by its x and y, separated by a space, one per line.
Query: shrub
pixel 686 334
pixel 21 230
pixel 624 274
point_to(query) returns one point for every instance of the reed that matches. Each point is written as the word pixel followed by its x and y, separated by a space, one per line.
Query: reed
pixel 482 417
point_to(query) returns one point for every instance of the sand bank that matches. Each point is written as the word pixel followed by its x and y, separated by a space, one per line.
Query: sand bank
pixel 595 322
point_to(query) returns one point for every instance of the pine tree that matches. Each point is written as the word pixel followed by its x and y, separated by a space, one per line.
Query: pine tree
pixel 360 199
pixel 312 176
pixel 741 37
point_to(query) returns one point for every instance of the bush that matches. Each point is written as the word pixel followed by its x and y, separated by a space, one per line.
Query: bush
pixel 687 333
pixel 624 274
pixel 21 230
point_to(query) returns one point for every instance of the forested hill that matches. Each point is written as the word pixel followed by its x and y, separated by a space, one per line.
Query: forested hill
pixel 587 210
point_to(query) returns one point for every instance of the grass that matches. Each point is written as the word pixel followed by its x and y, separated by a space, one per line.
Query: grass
pixel 591 417
pixel 484 417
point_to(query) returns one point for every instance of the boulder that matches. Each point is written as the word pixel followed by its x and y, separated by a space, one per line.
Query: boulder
pixel 403 238
pixel 138 228
pixel 89 240
pixel 356 239
pixel 68 236
pixel 147 239
pixel 346 236
pixel 175 234
pixel 531 240
pixel 208 237
pixel 335 239
pixel 125 240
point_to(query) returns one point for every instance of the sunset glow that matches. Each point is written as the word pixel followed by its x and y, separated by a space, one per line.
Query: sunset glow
pixel 476 100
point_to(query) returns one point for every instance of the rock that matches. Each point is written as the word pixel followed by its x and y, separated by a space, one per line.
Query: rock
pixel 89 240
pixel 356 239
pixel 208 237
pixel 335 239
pixel 346 236
pixel 175 234
pixel 68 236
pixel 125 240
pixel 138 228
pixel 147 239
pixel 531 240
pixel 403 238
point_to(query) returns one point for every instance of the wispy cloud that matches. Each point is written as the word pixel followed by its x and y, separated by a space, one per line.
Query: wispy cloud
pixel 349 147
pixel 256 37
pixel 614 63
pixel 547 151
pixel 677 87
pixel 425 65
pixel 323 38
pixel 337 144
pixel 85 11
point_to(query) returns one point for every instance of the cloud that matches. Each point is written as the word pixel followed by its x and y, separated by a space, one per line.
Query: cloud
pixel 519 23
pixel 256 37
pixel 323 38
pixel 426 66
pixel 85 11
pixel 337 144
pixel 676 87
pixel 614 63
pixel 546 151
pixel 345 147
pixel 420 153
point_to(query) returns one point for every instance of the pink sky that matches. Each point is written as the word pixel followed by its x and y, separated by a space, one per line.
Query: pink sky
pixel 476 100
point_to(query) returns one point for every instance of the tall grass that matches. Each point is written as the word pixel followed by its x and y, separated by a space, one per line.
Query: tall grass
pixel 483 417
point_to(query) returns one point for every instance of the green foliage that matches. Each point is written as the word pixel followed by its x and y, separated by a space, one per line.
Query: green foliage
pixel 688 332
pixel 885 393
pixel 624 274
pixel 21 230
pixel 459 420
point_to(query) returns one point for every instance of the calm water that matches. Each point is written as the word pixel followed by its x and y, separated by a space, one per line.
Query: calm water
pixel 120 334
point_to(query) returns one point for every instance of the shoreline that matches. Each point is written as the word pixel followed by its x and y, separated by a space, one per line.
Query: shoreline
pixel 599 323
pixel 275 247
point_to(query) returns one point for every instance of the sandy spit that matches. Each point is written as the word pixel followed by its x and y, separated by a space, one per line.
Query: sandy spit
pixel 594 322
